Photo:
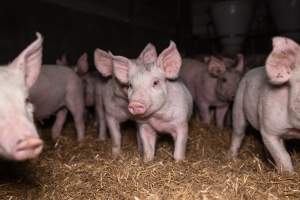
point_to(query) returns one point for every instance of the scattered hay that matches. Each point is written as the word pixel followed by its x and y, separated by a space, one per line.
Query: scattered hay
pixel 68 170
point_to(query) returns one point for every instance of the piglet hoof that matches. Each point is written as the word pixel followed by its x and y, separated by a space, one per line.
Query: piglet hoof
pixel 116 153
pixel 102 137
pixel 230 155
pixel 148 158
pixel 179 159
pixel 80 138
pixel 55 137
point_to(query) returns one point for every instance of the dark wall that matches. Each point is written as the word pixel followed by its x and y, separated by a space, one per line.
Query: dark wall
pixel 71 31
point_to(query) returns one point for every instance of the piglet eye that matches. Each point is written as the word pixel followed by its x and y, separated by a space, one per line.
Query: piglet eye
pixel 129 86
pixel 27 100
pixel 224 80
pixel 155 83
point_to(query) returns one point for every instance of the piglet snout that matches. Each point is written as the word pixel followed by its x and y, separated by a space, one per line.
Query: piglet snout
pixel 27 148
pixel 136 108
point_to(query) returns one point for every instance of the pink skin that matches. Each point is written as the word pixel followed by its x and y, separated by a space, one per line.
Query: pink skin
pixel 113 95
pixel 268 98
pixel 19 139
pixel 89 80
pixel 152 90
pixel 57 90
pixel 212 85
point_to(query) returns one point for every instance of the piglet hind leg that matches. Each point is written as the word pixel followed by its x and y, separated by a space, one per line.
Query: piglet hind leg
pixel 148 138
pixel 100 117
pixel 275 146
pixel 116 137
pixel 180 139
pixel 220 116
pixel 239 126
pixel 61 116
pixel 76 107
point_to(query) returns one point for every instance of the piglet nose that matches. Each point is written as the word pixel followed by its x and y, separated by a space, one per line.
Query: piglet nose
pixel 27 148
pixel 136 108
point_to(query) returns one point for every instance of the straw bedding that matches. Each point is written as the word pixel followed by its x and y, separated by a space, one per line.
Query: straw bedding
pixel 68 170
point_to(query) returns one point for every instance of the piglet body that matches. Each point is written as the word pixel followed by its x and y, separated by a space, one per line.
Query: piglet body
pixel 212 84
pixel 111 96
pixel 268 99
pixel 58 89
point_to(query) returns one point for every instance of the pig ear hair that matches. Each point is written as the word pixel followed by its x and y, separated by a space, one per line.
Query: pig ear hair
pixel 29 61
pixel 149 54
pixel 281 61
pixel 82 66
pixel 120 68
pixel 103 62
pixel 216 66
pixel 240 63
pixel 62 60
pixel 170 61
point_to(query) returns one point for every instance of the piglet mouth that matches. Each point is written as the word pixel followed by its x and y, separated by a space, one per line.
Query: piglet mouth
pixel 27 149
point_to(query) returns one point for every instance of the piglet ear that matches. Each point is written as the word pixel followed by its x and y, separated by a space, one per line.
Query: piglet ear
pixel 170 61
pixel 281 61
pixel 82 66
pixel 103 62
pixel 149 54
pixel 240 63
pixel 216 67
pixel 30 61
pixel 62 60
pixel 121 68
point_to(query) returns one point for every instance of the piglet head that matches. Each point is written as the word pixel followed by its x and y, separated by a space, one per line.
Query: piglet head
pixel 147 81
pixel 228 81
pixel 19 139
pixel 82 69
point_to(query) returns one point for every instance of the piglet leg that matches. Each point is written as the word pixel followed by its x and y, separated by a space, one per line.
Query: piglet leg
pixel 148 138
pixel 61 116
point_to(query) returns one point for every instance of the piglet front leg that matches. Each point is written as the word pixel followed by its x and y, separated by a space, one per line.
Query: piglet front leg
pixel 180 138
pixel 275 146
pixel 115 133
pixel 148 139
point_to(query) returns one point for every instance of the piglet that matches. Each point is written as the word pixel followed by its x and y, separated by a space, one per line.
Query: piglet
pixel 158 102
pixel 57 90
pixel 213 84
pixel 111 98
pixel 19 139
pixel 90 80
pixel 268 98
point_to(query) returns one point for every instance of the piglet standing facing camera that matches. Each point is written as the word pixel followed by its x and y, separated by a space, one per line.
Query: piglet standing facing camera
pixel 213 84
pixel 111 98
pixel 158 102
pixel 19 139
pixel 268 98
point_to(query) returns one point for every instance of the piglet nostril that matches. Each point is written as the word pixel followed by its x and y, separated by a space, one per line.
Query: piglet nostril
pixel 19 141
